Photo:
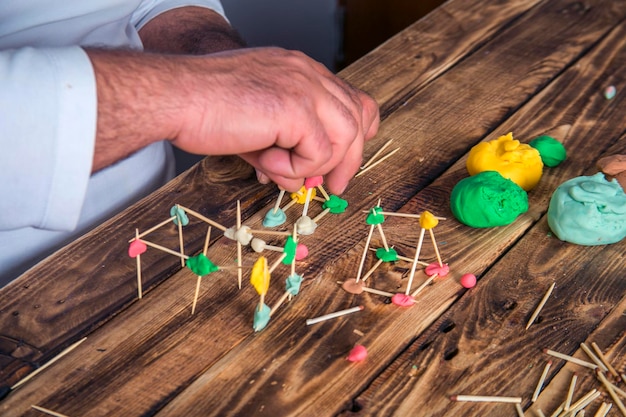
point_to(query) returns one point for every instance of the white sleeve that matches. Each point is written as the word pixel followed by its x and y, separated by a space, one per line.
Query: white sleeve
pixel 149 9
pixel 48 111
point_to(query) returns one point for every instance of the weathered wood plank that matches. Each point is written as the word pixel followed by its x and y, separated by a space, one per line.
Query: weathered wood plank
pixel 314 353
pixel 429 47
pixel 31 343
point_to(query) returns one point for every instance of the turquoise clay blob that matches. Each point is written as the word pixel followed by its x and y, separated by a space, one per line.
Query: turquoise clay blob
pixel 487 199
pixel 274 218
pixel 588 211
pixel 552 151
pixel 261 317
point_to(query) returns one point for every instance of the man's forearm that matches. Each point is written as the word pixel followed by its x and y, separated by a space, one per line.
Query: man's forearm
pixel 189 30
pixel 136 103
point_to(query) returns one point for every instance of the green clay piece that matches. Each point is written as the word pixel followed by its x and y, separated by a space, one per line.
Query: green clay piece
pixel 552 151
pixel 261 317
pixel 180 214
pixel 387 255
pixel 335 205
pixel 375 217
pixel 290 250
pixel 292 284
pixel 201 265
pixel 487 199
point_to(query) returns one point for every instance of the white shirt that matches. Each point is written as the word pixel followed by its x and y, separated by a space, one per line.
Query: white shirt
pixel 48 111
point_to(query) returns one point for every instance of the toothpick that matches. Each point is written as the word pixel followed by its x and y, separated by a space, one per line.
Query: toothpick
pixel 427 282
pixel 280 301
pixel 382 236
pixel 290 204
pixel 50 362
pixel 204 218
pixel 377 292
pixel 239 253
pixel 195 297
pixel 46 411
pixel 612 370
pixel 322 214
pixel 417 253
pixel 603 410
pixel 571 359
pixel 152 229
pixel 269 232
pixel 293 261
pixel 364 170
pixel 323 191
pixel 407 215
pixel 372 269
pixel 278 200
pixel 618 390
pixel 593 357
pixel 206 247
pixel 378 152
pixel 485 398
pixel 206 240
pixel 584 401
pixel 518 409
pixel 540 306
pixel 180 237
pixel 277 262
pixel 432 236
pixel 540 413
pixel 139 286
pixel 570 392
pixel 542 379
pixel 334 315
pixel 405 258
pixel 164 249
pixel 307 201
pixel 367 244
pixel 609 388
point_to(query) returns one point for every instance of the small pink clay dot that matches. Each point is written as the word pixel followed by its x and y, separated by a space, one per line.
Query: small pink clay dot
pixel 301 252
pixel 136 248
pixel 357 354
pixel 468 280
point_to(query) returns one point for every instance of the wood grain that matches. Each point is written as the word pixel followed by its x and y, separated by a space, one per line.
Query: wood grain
pixel 545 69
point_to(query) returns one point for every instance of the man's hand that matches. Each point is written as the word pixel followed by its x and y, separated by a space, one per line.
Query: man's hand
pixel 284 113
pixel 281 111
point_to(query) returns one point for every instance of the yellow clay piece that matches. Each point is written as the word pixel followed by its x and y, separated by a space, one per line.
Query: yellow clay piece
pixel 427 220
pixel 516 161
pixel 260 275
pixel 300 195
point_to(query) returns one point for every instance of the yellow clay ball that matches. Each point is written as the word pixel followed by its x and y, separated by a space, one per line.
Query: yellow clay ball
pixel 516 161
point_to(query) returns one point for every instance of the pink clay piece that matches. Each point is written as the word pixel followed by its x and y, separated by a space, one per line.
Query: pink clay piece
pixel 136 248
pixel 468 280
pixel 435 268
pixel 302 251
pixel 402 300
pixel 313 182
pixel 357 354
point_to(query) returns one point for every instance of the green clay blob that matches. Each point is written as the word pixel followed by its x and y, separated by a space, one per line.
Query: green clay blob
pixel 375 216
pixel 487 199
pixel 552 151
pixel 335 205
pixel 588 211
pixel 290 250
pixel 387 255
pixel 201 265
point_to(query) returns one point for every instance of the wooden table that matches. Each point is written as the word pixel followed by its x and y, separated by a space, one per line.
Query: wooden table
pixel 470 71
